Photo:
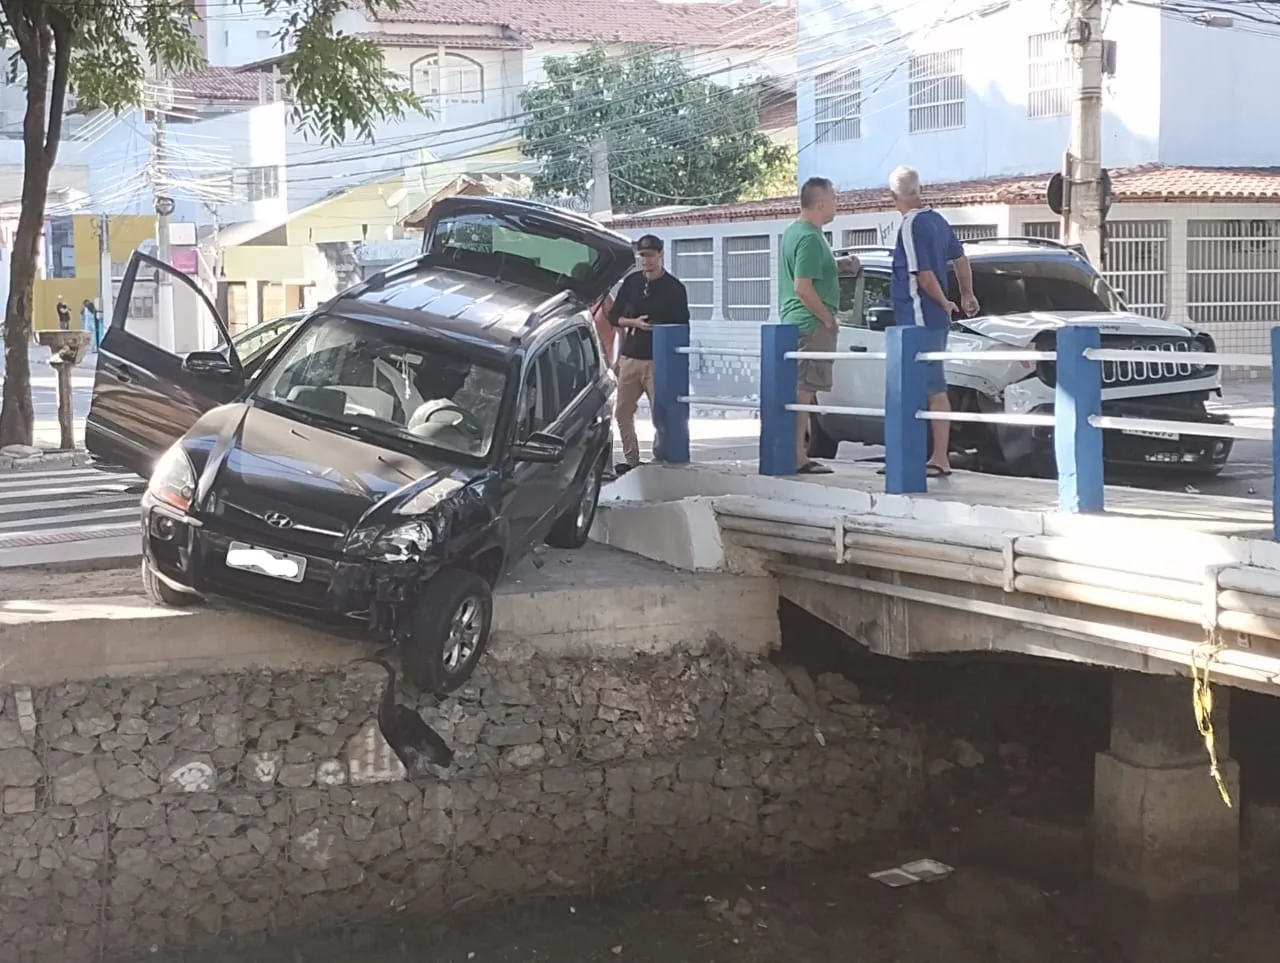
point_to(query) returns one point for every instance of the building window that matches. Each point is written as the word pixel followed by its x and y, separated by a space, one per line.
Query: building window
pixel 975 232
pixel 748 283
pixel 1136 261
pixel 1049 74
pixel 936 91
pixel 860 237
pixel 693 262
pixel 1046 230
pixel 261 183
pixel 837 102
pixel 60 241
pixel 455 79
pixel 1233 281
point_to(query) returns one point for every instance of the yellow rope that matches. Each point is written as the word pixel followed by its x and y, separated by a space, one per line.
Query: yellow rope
pixel 1202 702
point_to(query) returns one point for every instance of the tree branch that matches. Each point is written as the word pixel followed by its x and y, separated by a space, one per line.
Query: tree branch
pixel 63 37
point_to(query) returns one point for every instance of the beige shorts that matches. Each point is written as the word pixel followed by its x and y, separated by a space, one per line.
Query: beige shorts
pixel 814 376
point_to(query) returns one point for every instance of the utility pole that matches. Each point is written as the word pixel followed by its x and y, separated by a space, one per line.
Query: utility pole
pixel 601 189
pixel 1083 208
pixel 106 294
pixel 165 333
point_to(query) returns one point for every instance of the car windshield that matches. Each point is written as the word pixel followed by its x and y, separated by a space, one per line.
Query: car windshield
pixel 513 247
pixel 251 339
pixel 387 383
pixel 1016 286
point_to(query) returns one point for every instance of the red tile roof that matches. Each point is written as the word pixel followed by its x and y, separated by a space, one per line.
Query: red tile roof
pixel 219 85
pixel 1150 183
pixel 386 38
pixel 744 23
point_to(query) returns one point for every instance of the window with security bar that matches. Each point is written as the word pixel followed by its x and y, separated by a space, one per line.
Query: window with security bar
pixel 975 232
pixel 1045 230
pixel 935 91
pixel 748 278
pixel 1233 281
pixel 1136 262
pixel 693 262
pixel 860 237
pixel 1049 75
pixel 837 106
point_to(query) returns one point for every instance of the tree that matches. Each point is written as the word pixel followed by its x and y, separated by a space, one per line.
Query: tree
pixel 672 136
pixel 100 50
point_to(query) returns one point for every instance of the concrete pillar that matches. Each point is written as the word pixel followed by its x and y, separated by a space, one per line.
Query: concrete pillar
pixel 1159 826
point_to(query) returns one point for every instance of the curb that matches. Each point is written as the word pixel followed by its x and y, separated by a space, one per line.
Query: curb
pixel 20 458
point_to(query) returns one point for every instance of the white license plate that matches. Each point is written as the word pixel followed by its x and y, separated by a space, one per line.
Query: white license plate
pixel 248 558
pixel 1163 435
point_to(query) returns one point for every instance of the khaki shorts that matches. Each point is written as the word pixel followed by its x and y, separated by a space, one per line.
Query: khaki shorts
pixel 815 376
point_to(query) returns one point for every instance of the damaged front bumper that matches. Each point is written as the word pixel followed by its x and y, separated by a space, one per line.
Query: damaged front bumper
pixel 345 594
pixel 1127 449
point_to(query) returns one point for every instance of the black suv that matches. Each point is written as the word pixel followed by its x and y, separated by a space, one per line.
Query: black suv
pixel 404 446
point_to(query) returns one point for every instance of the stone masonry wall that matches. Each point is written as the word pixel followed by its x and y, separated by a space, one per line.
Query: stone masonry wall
pixel 149 813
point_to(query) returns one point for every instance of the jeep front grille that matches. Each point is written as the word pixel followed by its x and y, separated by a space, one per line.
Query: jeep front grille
pixel 1164 366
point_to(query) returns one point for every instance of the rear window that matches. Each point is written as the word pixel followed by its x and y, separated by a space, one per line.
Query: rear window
pixel 513 247
pixel 1020 285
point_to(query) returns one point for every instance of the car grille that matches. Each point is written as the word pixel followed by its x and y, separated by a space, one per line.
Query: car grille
pixel 1165 366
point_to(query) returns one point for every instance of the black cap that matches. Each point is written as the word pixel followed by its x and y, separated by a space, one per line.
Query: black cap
pixel 649 242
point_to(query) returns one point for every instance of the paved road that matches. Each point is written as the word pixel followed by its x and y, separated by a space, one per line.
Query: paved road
pixel 80 501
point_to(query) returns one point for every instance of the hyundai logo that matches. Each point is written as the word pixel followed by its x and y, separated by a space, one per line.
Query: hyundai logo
pixel 276 520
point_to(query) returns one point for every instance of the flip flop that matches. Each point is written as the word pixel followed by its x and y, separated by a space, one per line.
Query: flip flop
pixel 930 471
pixel 813 468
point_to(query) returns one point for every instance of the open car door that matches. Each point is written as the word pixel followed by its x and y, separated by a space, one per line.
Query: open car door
pixel 146 395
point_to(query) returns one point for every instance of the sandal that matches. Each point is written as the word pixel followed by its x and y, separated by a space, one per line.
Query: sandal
pixel 813 468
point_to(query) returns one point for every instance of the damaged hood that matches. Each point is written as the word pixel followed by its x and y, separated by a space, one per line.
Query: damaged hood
pixel 319 479
pixel 1019 330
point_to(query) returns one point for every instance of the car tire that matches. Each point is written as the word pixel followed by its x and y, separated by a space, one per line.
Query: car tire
pixel 161 594
pixel 573 528
pixel 450 631
pixel 820 445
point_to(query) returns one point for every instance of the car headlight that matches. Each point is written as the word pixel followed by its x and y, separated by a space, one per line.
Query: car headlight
pixel 403 543
pixel 174 480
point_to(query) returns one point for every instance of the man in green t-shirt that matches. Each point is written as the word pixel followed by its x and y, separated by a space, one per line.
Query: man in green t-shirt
pixel 808 296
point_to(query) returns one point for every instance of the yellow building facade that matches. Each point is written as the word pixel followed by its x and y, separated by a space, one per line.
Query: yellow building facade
pixel 125 234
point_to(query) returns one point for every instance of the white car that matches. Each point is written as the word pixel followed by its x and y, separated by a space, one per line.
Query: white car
pixel 1027 289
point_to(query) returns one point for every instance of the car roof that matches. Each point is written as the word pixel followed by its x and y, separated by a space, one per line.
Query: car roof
pixel 450 304
pixel 982 249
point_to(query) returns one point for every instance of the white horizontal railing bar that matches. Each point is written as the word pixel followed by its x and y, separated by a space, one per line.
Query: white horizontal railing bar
pixel 837 410
pixel 710 401
pixel 991 418
pixel 721 352
pixel 1194 428
pixel 836 356
pixel 997 355
pixel 1180 357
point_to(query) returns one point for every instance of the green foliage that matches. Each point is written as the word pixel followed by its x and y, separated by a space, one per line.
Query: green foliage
pixel 672 136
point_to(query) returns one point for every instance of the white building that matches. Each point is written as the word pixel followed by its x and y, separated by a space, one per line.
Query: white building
pixel 965 89
pixel 1189 244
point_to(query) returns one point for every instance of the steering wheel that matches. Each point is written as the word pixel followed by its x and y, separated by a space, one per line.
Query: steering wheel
pixel 465 418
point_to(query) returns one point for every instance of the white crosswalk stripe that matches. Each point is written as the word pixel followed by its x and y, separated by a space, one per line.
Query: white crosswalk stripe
pixel 67 504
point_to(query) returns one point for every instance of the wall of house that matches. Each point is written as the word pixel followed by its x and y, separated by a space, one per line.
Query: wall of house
pixel 996 134
pixel 1219 88
pixel 125 233
pixel 241 33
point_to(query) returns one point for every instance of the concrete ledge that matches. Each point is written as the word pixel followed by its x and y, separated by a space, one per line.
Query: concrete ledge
pixel 597 603
pixel 684 533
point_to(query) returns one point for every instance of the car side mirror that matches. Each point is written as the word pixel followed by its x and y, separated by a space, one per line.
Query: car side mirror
pixel 539 448
pixel 208 364
pixel 879 319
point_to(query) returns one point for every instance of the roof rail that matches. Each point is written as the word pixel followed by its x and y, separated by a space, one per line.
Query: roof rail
pixel 863 247
pixel 1034 241
pixel 376 281
pixel 539 312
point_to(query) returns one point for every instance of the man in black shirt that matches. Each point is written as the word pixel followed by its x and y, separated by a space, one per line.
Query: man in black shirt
pixel 647 297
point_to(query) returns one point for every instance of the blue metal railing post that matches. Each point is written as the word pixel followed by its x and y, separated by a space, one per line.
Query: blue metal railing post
pixel 777 390
pixel 670 383
pixel 1275 434
pixel 905 435
pixel 1077 443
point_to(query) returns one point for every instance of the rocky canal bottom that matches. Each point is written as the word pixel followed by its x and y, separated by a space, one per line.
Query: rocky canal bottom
pixel 1009 752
